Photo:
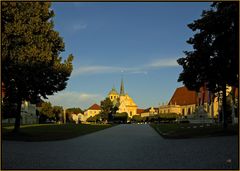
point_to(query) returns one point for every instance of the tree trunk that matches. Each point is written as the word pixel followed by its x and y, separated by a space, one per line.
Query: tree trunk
pixel 220 113
pixel 233 104
pixel 18 117
pixel 212 108
pixel 224 105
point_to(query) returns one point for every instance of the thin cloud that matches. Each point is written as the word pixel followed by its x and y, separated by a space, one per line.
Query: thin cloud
pixel 95 70
pixel 159 63
pixel 79 26
pixel 99 69
pixel 69 99
pixel 139 72
pixel 82 70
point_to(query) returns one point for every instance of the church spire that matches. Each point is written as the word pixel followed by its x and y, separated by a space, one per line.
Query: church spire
pixel 122 88
pixel 113 87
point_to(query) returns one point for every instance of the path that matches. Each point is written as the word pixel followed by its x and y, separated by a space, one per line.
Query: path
pixel 127 146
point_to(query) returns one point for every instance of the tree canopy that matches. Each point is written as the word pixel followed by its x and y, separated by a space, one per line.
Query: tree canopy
pixel 108 109
pixel 215 57
pixel 31 62
pixel 74 110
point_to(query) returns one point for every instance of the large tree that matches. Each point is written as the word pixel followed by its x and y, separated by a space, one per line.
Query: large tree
pixel 74 110
pixel 70 111
pixel 108 109
pixel 214 59
pixel 31 65
pixel 58 113
pixel 46 112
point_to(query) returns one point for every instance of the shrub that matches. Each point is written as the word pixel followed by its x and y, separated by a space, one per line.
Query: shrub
pixel 120 117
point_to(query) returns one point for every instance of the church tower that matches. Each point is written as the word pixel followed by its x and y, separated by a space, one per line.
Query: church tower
pixel 113 94
pixel 122 89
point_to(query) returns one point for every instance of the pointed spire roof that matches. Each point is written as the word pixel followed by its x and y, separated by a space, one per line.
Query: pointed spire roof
pixel 122 88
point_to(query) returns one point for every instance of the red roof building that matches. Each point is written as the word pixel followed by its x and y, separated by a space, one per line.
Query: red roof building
pixel 139 111
pixel 94 107
pixel 182 96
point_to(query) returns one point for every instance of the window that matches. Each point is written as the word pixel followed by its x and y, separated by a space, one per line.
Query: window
pixel 183 112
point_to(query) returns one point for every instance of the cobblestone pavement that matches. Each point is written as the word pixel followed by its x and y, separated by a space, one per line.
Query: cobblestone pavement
pixel 127 146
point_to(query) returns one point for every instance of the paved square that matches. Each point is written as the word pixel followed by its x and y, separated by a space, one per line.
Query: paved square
pixel 128 146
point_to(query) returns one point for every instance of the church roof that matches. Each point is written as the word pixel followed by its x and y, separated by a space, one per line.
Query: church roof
pixel 94 107
pixel 183 96
pixel 113 91
pixel 139 111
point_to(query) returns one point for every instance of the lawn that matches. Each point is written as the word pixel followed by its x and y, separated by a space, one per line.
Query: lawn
pixel 50 132
pixel 194 130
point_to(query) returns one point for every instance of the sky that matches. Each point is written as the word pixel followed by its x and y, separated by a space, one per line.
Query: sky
pixel 138 42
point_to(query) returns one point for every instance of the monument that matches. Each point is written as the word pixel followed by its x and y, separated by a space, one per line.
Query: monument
pixel 199 116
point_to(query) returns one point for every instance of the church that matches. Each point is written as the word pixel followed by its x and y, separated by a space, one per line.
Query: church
pixel 124 102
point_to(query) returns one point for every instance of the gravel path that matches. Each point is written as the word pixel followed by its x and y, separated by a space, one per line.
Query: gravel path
pixel 127 146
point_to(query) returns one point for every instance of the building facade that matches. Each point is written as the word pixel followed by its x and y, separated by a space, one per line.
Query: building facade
pixel 149 112
pixel 28 110
pixel 28 113
pixel 93 110
pixel 124 102
pixel 184 102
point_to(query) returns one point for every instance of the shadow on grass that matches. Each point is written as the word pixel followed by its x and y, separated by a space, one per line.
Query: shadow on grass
pixel 51 132
pixel 181 131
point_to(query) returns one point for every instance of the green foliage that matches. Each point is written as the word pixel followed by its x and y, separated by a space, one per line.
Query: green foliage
pixel 168 115
pixel 214 62
pixel 95 118
pixel 90 119
pixel 47 110
pixel 108 109
pixel 31 65
pixel 105 116
pixel 121 117
pixel 137 118
pixel 162 117
pixel 58 112
pixel 70 111
pixel 8 109
pixel 73 110
pixel 106 106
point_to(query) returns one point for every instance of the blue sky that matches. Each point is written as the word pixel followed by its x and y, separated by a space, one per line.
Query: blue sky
pixel 136 41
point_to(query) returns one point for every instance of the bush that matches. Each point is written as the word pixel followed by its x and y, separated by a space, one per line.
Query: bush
pixel 120 117
pixel 137 118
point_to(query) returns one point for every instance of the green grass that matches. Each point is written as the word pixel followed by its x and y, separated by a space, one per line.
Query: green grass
pixel 194 130
pixel 50 132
